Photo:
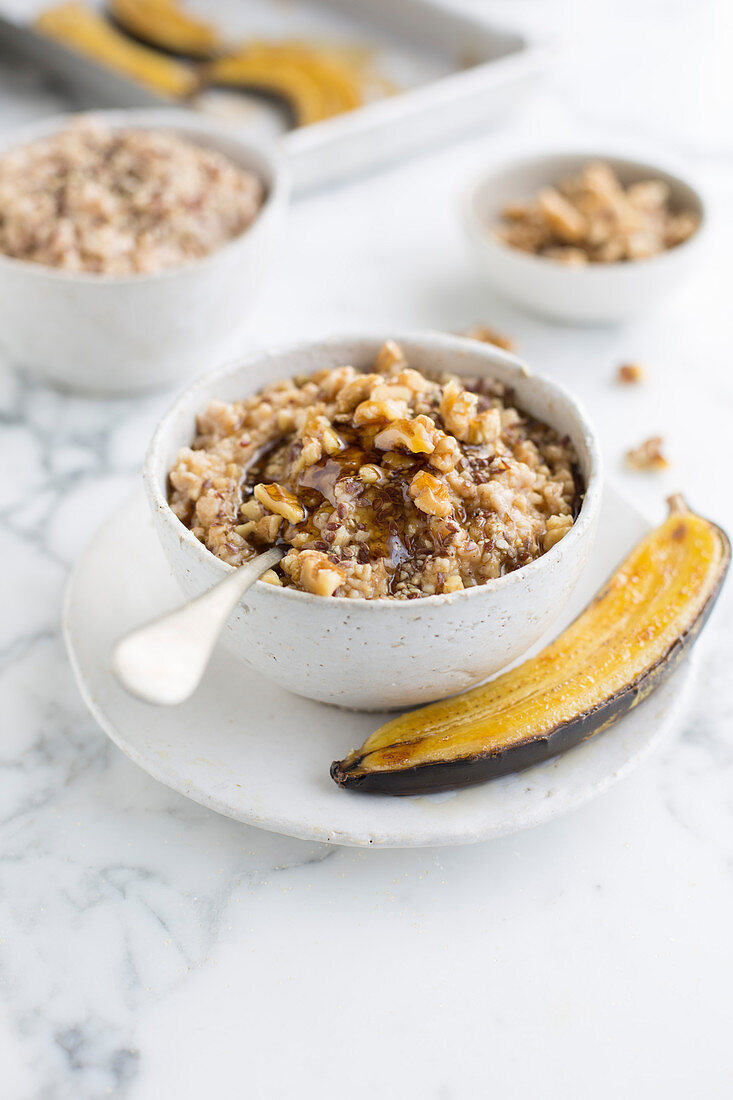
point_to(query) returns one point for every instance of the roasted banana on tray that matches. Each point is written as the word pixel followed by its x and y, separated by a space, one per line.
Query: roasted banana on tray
pixel 160 44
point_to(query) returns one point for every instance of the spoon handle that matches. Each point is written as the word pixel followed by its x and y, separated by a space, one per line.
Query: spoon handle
pixel 163 661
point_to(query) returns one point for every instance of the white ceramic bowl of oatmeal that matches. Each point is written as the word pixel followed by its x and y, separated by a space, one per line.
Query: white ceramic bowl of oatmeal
pixel 385 652
pixel 105 333
pixel 584 293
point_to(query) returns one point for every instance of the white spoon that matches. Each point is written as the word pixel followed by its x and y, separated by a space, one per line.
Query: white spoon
pixel 163 661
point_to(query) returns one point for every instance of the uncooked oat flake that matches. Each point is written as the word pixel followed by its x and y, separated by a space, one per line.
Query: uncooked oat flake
pixel 593 218
pixel 120 202
pixel 385 483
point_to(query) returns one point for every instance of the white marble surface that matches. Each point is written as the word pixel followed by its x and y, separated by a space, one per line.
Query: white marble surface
pixel 151 949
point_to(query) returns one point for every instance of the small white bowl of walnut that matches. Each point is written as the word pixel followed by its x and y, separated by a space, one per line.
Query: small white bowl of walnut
pixel 583 238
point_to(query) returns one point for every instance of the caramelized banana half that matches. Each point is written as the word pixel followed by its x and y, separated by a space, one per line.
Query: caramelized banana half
pixel 167 26
pixel 316 82
pixel 80 28
pixel 625 643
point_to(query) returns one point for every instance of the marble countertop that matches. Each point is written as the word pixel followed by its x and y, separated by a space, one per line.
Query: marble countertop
pixel 151 949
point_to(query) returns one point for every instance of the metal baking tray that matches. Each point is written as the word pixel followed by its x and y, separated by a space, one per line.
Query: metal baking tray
pixel 455 73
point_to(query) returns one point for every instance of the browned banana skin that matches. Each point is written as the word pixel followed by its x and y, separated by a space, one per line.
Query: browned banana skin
pixel 151 32
pixel 451 775
pixel 441 775
pixel 197 57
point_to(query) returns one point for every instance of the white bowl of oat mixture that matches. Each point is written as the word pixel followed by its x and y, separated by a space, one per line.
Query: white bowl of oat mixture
pixel 104 303
pixel 410 646
pixel 617 250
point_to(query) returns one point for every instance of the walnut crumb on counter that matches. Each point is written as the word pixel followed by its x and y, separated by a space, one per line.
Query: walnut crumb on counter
pixel 486 334
pixel 648 455
pixel 630 374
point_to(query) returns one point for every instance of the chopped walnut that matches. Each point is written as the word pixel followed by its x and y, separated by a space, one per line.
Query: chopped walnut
pixel 648 455
pixel 564 219
pixel 485 334
pixel 446 454
pixel 648 194
pixel 356 391
pixel 396 461
pixel 459 410
pixel 391 391
pixel 331 382
pixel 592 218
pixel 266 529
pixel 679 227
pixel 630 374
pixel 516 211
pixel 251 509
pixel 331 442
pixel 318 574
pixel 566 254
pixel 409 435
pixel 319 438
pixel 371 474
pixel 412 380
pixel 371 412
pixel 557 528
pixel 281 501
pixel 430 495
pixel 389 356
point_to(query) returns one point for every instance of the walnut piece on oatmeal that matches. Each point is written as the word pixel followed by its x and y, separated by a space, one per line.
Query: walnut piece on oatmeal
pixel 557 528
pixel 459 488
pixel 593 218
pixel 407 435
pixel 120 202
pixel 430 495
pixel 648 455
pixel 276 499
pixel 313 571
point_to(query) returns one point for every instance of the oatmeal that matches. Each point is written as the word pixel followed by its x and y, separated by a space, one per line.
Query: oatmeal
pixel 386 483
pixel 593 218
pixel 120 202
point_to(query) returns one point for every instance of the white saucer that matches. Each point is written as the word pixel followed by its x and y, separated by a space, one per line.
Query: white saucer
pixel 252 751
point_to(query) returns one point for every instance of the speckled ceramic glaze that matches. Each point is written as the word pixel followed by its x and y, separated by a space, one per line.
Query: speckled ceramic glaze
pixel 378 654
pixel 247 749
pixel 119 335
